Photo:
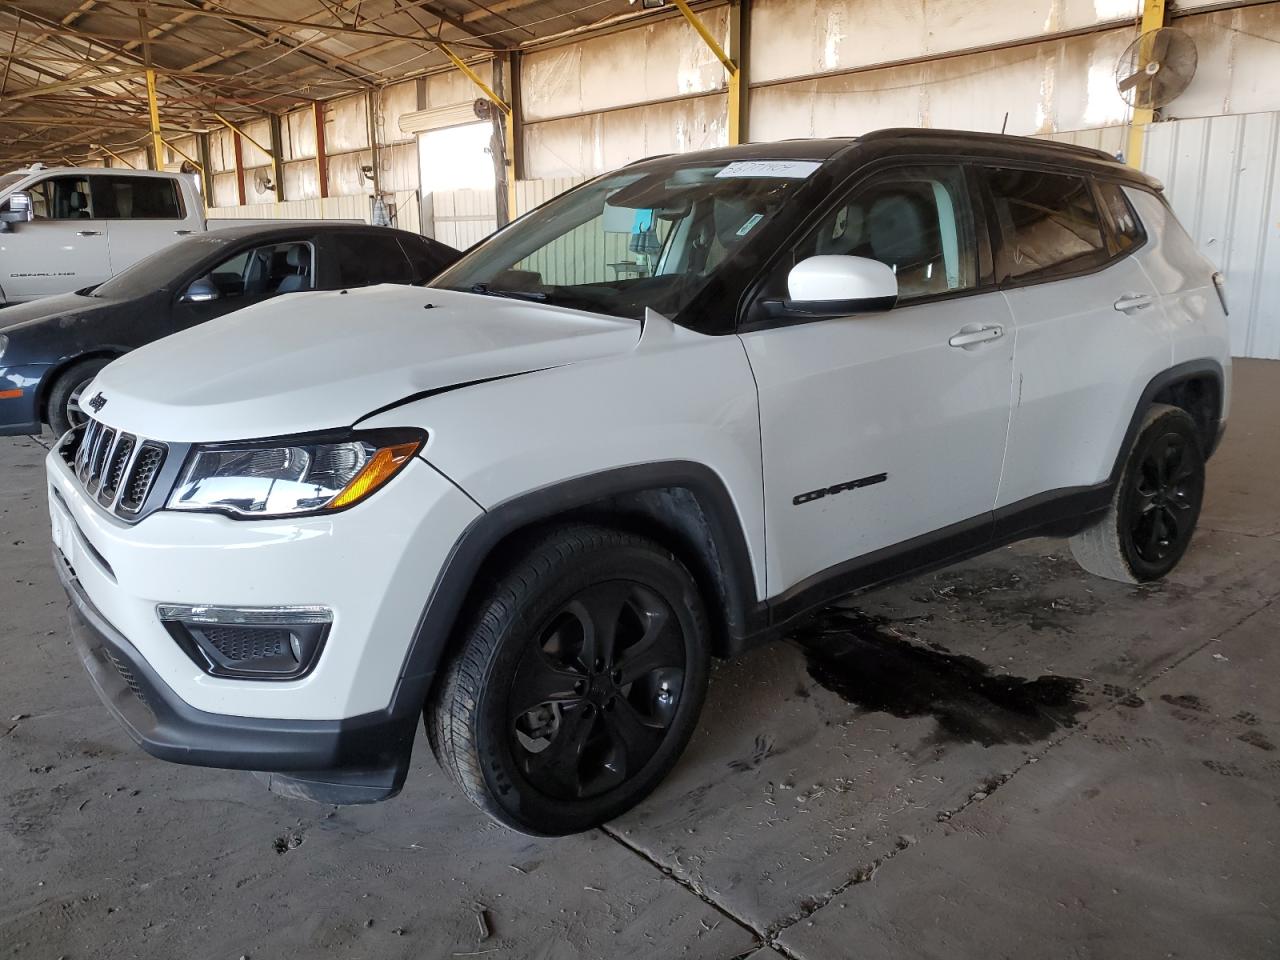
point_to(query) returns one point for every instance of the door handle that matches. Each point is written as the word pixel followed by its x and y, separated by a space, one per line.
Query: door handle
pixel 88 233
pixel 969 338
pixel 182 233
pixel 1132 302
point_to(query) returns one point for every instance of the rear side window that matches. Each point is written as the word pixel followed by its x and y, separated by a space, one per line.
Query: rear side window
pixel 1126 229
pixel 137 198
pixel 428 258
pixel 1047 224
pixel 362 259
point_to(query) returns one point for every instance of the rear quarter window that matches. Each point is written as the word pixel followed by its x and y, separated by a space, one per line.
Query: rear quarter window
pixel 1122 220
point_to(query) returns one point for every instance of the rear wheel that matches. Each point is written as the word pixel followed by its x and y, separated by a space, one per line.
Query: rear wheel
pixel 1155 507
pixel 578 685
pixel 67 391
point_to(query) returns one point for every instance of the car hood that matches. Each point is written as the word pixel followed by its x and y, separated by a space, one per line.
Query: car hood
pixel 69 305
pixel 314 361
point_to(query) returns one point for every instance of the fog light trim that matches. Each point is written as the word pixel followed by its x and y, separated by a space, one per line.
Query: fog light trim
pixel 256 650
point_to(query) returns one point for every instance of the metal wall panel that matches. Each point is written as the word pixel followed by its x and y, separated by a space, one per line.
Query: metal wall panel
pixel 796 38
pixel 1222 177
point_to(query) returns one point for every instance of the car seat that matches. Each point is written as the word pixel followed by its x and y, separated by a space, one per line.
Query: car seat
pixel 299 262
pixel 903 231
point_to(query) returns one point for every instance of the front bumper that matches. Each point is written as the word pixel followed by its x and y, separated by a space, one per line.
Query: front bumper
pixel 354 760
pixel 20 415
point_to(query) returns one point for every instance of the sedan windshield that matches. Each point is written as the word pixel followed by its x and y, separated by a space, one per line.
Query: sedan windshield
pixel 649 236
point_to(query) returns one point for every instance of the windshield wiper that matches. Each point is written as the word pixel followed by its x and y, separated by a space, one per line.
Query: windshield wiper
pixel 486 290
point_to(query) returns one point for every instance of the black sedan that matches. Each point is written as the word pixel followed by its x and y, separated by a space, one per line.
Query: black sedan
pixel 51 349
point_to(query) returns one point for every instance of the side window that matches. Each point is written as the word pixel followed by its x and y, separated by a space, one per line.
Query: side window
pixel 428 258
pixel 1126 230
pixel 1048 225
pixel 367 258
pixel 137 198
pixel 61 198
pixel 264 271
pixel 917 220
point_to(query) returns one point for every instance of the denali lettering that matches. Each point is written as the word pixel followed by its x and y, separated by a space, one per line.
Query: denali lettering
pixel 839 488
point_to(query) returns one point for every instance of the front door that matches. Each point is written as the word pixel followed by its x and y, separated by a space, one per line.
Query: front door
pixel 62 248
pixel 883 427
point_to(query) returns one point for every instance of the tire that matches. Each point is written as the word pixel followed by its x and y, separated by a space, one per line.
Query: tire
pixel 64 396
pixel 1153 512
pixel 604 726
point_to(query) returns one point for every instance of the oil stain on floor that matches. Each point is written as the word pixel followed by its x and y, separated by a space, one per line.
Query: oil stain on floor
pixel 858 657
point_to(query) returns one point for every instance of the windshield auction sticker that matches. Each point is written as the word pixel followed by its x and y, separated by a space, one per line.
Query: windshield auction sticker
pixel 775 169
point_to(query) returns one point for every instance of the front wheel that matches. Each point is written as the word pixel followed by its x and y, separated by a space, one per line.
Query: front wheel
pixel 578 684
pixel 66 393
pixel 1154 509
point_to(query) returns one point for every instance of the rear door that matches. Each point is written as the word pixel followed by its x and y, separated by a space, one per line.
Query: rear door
pixel 143 214
pixel 876 428
pixel 1090 330
pixel 62 248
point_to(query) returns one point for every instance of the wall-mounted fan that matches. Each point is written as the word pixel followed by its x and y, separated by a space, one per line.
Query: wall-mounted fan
pixel 1155 68
pixel 262 181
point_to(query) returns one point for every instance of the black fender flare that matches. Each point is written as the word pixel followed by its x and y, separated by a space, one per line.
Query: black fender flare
pixel 1179 373
pixel 444 605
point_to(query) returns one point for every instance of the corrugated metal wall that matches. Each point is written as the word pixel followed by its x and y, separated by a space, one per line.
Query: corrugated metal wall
pixel 405 210
pixel 1222 177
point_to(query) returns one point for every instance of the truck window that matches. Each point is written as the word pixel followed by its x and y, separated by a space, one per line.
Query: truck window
pixel 137 198
pixel 61 198
pixel 1048 225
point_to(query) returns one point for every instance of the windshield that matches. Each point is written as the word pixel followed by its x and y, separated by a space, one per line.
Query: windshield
pixel 161 268
pixel 642 237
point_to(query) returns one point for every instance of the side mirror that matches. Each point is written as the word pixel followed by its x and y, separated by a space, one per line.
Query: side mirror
pixel 202 290
pixel 836 286
pixel 19 210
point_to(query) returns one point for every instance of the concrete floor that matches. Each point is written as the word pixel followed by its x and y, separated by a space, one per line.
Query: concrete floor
pixel 1007 758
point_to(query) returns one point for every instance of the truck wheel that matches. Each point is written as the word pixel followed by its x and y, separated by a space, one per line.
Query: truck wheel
pixel 578 683
pixel 1155 506
pixel 64 396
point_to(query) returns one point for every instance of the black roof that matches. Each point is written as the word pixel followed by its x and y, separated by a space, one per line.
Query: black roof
pixel 959 142
pixel 294 228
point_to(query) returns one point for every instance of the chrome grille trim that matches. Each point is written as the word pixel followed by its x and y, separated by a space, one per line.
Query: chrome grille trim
pixel 117 469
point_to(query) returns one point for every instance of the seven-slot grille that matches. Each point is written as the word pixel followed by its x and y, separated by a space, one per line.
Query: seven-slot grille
pixel 117 468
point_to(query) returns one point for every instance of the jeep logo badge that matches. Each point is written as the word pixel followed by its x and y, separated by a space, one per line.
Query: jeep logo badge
pixel 98 401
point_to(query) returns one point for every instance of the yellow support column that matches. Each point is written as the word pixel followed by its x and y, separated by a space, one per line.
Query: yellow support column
pixel 1152 19
pixel 730 66
pixel 157 141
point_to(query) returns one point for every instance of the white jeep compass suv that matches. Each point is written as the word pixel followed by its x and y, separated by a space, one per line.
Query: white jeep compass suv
pixel 658 419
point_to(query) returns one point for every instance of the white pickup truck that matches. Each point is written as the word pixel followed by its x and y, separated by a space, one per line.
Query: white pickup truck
pixel 65 228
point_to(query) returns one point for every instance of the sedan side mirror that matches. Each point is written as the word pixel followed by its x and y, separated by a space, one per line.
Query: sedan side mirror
pixel 202 290
pixel 836 286
pixel 19 209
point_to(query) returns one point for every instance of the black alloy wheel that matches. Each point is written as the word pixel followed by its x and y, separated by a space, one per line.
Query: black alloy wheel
pixel 577 682
pixel 1168 483
pixel 596 690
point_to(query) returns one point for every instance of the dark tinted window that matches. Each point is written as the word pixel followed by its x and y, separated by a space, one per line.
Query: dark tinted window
pixel 1126 231
pixel 427 256
pixel 137 198
pixel 61 198
pixel 1048 225
pixel 365 258
pixel 918 220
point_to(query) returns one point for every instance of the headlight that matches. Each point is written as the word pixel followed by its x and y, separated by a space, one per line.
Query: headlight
pixel 282 478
